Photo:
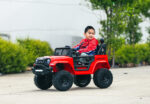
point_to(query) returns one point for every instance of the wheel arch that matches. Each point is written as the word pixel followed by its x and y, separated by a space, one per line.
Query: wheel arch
pixel 63 66
pixel 100 65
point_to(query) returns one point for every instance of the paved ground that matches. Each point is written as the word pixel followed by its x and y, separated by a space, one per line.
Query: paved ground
pixel 130 86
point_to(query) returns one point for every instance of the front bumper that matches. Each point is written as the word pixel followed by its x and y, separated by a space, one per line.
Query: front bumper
pixel 40 69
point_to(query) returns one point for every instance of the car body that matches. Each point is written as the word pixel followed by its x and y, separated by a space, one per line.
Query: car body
pixel 67 64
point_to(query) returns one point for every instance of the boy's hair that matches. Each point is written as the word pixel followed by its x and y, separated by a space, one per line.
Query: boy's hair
pixel 89 27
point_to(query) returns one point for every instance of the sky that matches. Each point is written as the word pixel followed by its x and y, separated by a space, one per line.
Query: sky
pixel 42 19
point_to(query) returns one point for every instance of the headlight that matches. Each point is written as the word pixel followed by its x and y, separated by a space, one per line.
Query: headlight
pixel 48 61
pixel 36 60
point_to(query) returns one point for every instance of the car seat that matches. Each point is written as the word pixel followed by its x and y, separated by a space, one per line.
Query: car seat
pixel 101 48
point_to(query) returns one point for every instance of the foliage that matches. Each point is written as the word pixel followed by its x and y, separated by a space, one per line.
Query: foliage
pixel 144 7
pixel 133 54
pixel 123 18
pixel 35 48
pixel 132 30
pixel 12 57
pixel 148 39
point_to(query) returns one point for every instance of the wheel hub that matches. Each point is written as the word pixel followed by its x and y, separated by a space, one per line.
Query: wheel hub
pixel 65 82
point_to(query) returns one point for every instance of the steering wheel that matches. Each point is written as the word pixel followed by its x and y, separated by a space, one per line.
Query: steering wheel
pixel 75 53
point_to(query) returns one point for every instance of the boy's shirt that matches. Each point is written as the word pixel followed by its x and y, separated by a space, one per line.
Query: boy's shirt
pixel 87 46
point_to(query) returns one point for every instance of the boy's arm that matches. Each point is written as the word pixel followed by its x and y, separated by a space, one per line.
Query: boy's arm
pixel 91 47
pixel 77 47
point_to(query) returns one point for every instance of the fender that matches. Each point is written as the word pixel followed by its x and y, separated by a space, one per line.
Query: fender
pixel 68 65
pixel 100 64
pixel 60 59
pixel 63 62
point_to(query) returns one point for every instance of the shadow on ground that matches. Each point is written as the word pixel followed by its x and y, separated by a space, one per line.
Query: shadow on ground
pixel 72 89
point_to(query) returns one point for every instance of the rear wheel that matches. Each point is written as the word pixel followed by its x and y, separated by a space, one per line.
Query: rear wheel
pixel 82 80
pixel 62 80
pixel 43 81
pixel 103 78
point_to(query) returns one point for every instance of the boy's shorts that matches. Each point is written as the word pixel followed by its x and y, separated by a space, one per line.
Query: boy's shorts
pixel 83 60
pixel 84 54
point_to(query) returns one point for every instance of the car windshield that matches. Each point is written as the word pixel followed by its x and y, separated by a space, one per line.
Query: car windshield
pixel 62 52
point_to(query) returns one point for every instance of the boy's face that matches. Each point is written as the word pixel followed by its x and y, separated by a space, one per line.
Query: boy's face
pixel 90 34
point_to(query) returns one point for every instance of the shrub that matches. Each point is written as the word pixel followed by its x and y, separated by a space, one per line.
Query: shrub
pixel 143 52
pixel 133 54
pixel 126 54
pixel 35 48
pixel 12 57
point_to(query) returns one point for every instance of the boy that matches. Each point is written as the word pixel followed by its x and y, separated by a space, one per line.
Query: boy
pixel 88 45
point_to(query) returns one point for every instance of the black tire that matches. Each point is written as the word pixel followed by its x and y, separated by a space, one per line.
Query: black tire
pixel 82 80
pixel 62 80
pixel 43 81
pixel 103 78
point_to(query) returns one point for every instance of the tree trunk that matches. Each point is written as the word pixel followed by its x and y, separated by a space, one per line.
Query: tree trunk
pixel 113 59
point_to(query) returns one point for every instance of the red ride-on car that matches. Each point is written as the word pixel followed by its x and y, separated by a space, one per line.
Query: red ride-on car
pixel 66 67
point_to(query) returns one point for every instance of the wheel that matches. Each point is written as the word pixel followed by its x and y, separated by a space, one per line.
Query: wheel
pixel 103 78
pixel 62 80
pixel 43 81
pixel 82 80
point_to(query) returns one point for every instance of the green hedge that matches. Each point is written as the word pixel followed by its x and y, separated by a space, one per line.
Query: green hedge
pixel 35 48
pixel 12 57
pixel 143 52
pixel 135 54
pixel 15 58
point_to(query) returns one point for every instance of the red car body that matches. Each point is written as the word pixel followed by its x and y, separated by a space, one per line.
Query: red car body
pixel 100 61
pixel 67 66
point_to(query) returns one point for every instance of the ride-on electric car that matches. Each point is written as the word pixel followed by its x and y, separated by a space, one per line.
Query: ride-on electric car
pixel 66 67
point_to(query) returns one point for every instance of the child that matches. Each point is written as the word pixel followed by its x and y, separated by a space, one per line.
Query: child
pixel 88 45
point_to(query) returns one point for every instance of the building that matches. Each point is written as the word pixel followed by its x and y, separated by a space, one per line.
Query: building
pixel 60 22
pixel 5 36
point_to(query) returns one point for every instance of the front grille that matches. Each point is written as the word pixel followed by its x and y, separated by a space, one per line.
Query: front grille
pixel 38 67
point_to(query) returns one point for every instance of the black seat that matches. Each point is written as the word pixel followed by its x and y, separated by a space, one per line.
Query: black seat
pixel 101 48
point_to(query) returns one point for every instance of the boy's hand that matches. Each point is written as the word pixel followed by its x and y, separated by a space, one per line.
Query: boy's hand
pixel 78 53
pixel 73 49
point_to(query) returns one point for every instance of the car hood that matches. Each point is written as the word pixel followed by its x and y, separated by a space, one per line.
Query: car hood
pixel 57 57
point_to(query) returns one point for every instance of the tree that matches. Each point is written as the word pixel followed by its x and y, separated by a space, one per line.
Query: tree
pixel 144 7
pixel 148 39
pixel 123 18
pixel 114 26
pixel 133 31
pixel 145 10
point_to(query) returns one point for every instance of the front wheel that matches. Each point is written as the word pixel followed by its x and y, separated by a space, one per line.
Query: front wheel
pixel 103 78
pixel 62 80
pixel 82 80
pixel 43 81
